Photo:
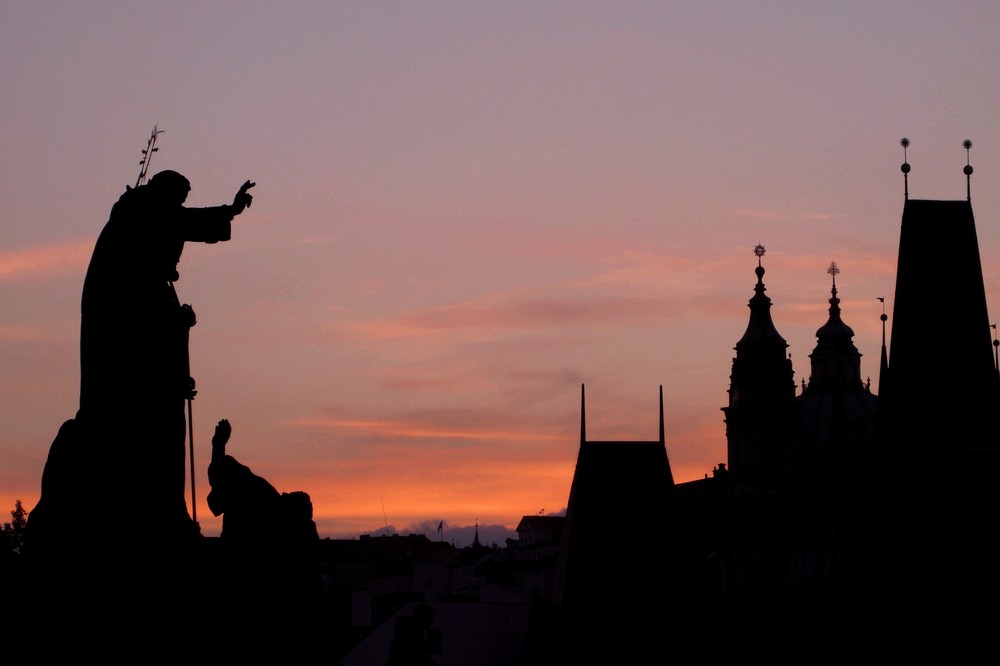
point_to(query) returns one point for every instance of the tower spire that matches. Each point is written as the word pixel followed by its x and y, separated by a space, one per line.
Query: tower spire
pixel 761 390
pixel 968 168
pixel 836 362
pixel 760 330
pixel 663 438
pixel 905 168
pixel 883 370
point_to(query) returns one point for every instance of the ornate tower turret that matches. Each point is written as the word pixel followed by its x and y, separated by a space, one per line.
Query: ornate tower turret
pixel 836 362
pixel 760 416
pixel 837 410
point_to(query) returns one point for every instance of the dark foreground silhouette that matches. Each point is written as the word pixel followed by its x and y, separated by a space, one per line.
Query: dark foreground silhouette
pixel 414 641
pixel 112 558
pixel 269 549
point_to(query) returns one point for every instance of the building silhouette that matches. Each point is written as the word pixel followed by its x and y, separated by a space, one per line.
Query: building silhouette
pixel 841 516
pixel 926 525
pixel 842 521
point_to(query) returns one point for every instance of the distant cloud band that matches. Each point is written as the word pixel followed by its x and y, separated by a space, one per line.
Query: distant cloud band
pixel 45 261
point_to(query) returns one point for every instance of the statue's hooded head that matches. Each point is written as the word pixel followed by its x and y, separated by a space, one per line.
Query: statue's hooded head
pixel 170 185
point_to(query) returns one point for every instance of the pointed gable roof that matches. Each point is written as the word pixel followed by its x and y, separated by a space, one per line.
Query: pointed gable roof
pixel 620 489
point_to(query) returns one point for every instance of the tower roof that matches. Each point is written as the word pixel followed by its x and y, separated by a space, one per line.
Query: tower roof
pixel 620 489
pixel 836 361
pixel 760 333
pixel 834 330
pixel 941 364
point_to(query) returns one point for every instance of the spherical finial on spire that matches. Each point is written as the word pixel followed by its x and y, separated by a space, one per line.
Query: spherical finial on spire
pixel 905 168
pixel 968 168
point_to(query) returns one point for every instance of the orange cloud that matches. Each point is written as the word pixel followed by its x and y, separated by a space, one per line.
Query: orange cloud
pixel 418 430
pixel 45 261
pixel 654 287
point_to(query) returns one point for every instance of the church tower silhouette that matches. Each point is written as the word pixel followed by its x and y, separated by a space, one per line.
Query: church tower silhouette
pixel 836 409
pixel 760 415
pixel 844 519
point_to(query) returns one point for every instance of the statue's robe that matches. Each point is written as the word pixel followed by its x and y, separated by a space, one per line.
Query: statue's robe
pixel 134 370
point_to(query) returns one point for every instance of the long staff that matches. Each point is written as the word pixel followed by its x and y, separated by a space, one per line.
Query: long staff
pixel 194 497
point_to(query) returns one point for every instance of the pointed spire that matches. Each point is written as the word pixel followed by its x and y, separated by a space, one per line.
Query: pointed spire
pixel 760 329
pixel 836 362
pixel 834 301
pixel 663 439
pixel 761 384
pixel 583 414
pixel 883 371
pixel 905 168
pixel 968 168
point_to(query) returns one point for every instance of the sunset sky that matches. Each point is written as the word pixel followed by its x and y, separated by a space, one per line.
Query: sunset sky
pixel 465 211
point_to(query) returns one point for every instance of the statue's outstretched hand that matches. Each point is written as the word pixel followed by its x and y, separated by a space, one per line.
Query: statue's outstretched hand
pixel 243 199
pixel 222 432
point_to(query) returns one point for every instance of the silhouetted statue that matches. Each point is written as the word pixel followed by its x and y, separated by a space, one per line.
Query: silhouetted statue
pixel 51 530
pixel 134 371
pixel 112 521
pixel 414 641
pixel 270 555
pixel 248 504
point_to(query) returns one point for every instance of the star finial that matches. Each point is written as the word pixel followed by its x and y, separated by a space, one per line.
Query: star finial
pixel 759 251
pixel 834 271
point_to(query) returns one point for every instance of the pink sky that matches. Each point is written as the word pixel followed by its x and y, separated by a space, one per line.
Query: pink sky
pixel 464 212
